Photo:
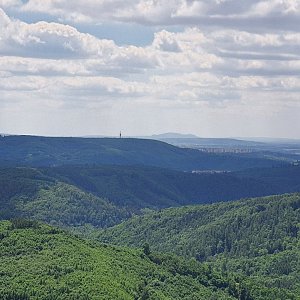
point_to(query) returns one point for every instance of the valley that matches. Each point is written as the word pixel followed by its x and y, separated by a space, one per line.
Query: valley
pixel 149 150
pixel 69 220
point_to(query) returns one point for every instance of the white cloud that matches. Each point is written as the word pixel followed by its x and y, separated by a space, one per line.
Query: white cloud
pixel 276 7
pixel 10 3
pixel 222 51
pixel 249 14
pixel 4 19
pixel 58 41
pixel 166 41
pixel 50 67
pixel 208 77
pixel 49 40
pixel 191 9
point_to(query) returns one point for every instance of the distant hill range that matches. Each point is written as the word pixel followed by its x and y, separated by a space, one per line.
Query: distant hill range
pixel 156 188
pixel 279 149
pixel 191 139
pixel 102 196
pixel 241 140
pixel 174 135
pixel 271 140
pixel 151 194
pixel 55 151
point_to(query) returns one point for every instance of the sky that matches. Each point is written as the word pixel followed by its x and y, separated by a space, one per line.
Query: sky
pixel 217 68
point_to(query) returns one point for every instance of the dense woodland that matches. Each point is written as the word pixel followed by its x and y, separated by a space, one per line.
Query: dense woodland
pixel 28 193
pixel 140 186
pixel 71 207
pixel 46 151
pixel 41 262
pixel 106 195
pixel 258 238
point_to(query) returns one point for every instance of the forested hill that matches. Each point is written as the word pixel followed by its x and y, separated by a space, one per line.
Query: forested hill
pixel 103 196
pixel 39 262
pixel 47 151
pixel 258 238
pixel 26 192
pixel 237 228
pixel 140 187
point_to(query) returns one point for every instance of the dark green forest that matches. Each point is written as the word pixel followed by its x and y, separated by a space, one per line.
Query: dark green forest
pixel 127 219
pixel 45 151
pixel 105 195
pixel 29 193
pixel 140 187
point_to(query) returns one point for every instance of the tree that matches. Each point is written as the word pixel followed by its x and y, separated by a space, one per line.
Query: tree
pixel 146 249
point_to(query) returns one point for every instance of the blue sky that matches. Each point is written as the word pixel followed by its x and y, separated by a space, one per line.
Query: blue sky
pixel 217 68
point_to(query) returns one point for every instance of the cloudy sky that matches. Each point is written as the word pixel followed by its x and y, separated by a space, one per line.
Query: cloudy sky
pixel 217 68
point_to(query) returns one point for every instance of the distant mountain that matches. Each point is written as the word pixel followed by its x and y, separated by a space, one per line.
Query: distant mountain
pixel 272 140
pixel 257 239
pixel 278 149
pixel 173 135
pixel 193 141
pixel 209 142
pixel 234 140
pixel 48 151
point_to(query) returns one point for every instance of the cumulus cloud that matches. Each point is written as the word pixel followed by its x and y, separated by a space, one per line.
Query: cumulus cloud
pixel 249 14
pixel 58 41
pixel 10 3
pixel 49 40
pixel 212 67
pixel 71 52
pixel 276 8
pixel 166 41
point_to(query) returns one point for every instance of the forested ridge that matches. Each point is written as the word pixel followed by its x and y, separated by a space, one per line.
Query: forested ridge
pixel 237 228
pixel 53 151
pixel 246 249
pixel 105 195
pixel 140 186
pixel 258 238
pixel 260 259
pixel 26 192
pixel 119 193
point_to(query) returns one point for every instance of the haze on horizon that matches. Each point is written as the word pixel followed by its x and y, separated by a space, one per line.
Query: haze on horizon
pixel 214 69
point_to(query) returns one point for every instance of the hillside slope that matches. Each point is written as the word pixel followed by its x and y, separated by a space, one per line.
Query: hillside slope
pixel 39 262
pixel 208 230
pixel 256 237
pixel 27 192
pixel 140 187
pixel 46 151
pixel 105 195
